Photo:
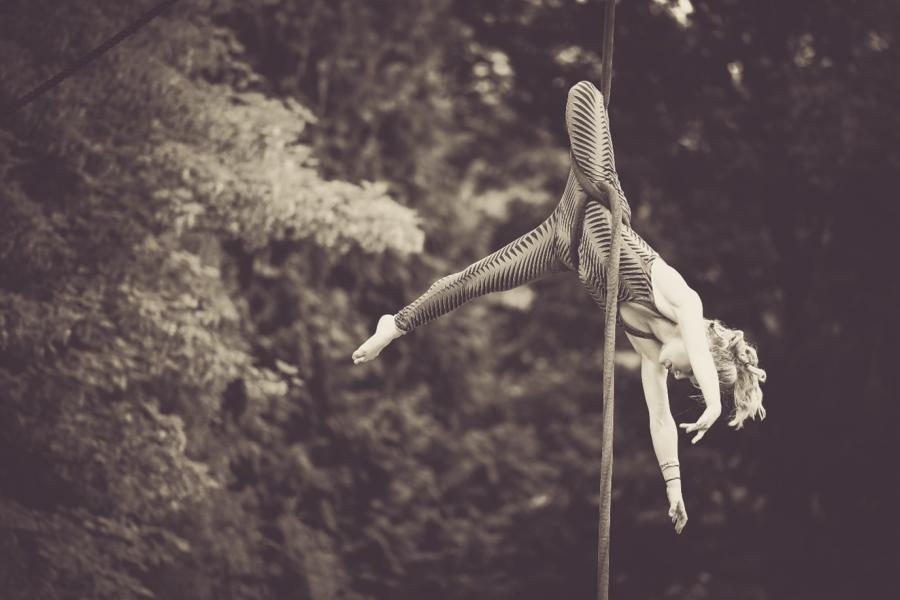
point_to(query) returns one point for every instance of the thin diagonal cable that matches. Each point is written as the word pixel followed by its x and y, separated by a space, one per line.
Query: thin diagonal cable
pixel 87 58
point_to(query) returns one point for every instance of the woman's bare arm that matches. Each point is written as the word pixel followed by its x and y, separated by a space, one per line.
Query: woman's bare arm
pixel 688 310
pixel 664 435
pixel 663 431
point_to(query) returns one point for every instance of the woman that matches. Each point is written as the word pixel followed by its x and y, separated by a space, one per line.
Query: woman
pixel 662 316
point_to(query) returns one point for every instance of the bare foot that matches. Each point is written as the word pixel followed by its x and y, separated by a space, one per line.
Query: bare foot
pixel 385 332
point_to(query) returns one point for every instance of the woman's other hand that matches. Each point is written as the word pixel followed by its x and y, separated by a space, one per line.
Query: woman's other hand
pixel 702 425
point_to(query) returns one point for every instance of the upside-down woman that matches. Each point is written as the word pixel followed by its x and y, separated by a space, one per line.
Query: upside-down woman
pixel 662 316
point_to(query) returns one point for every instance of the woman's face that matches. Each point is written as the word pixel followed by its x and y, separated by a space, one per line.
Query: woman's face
pixel 673 356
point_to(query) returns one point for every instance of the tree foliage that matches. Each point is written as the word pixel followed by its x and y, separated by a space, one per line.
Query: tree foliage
pixel 197 230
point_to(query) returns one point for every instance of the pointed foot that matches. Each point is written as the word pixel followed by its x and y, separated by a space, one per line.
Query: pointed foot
pixel 385 332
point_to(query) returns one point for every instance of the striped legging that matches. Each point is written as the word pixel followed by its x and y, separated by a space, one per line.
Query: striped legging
pixel 575 237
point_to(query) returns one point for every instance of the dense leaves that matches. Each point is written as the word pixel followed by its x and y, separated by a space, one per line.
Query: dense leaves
pixel 197 230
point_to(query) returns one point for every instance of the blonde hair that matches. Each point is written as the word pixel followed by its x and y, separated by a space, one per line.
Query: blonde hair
pixel 738 368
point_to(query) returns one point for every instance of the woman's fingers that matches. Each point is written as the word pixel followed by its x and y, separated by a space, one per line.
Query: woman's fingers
pixel 702 425
pixel 699 425
pixel 678 514
pixel 681 522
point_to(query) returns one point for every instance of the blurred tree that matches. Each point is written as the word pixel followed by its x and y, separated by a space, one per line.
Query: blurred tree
pixel 190 251
pixel 120 331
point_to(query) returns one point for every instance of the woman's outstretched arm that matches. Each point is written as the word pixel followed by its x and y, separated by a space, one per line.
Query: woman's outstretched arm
pixel 664 435
pixel 685 304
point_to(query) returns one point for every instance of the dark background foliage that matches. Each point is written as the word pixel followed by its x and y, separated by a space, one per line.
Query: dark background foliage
pixel 197 231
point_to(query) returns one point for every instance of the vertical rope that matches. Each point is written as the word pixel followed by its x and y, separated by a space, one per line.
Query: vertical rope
pixel 609 335
pixel 609 19
pixel 609 365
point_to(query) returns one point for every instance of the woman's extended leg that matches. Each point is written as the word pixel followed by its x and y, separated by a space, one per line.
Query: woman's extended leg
pixel 525 259
pixel 528 258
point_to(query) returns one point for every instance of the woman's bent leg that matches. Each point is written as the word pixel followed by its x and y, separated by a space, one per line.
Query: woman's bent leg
pixel 593 160
pixel 525 259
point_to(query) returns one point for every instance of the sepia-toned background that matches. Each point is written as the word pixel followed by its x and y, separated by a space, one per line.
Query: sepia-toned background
pixel 198 229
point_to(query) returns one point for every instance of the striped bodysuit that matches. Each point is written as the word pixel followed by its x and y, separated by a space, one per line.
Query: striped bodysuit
pixel 575 237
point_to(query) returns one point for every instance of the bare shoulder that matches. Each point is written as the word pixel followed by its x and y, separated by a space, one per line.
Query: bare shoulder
pixel 670 291
pixel 664 275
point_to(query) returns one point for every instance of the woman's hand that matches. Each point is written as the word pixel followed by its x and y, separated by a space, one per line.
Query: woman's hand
pixel 702 425
pixel 677 511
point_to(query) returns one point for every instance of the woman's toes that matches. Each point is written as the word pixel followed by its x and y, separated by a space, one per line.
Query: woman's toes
pixel 364 353
pixel 373 346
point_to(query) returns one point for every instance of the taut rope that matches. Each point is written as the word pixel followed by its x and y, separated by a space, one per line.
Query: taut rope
pixel 609 334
